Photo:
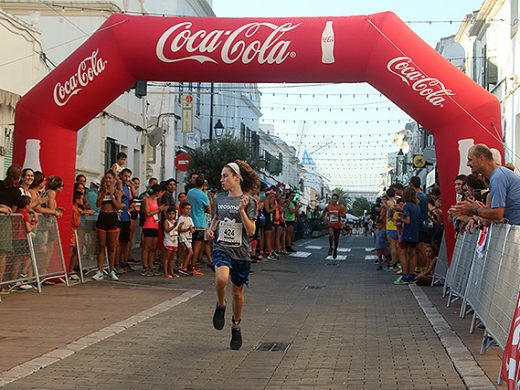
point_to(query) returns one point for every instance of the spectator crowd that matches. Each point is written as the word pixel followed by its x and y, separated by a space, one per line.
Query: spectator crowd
pixel 172 229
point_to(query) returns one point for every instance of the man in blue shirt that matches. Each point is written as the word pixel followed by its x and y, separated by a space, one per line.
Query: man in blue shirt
pixel 504 189
pixel 199 202
pixel 422 202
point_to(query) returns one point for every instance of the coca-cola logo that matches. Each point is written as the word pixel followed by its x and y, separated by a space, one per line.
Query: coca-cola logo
pixel 88 70
pixel 432 89
pixel 232 46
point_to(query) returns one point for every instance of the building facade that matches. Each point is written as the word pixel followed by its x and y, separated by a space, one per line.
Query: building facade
pixel 490 40
pixel 23 65
pixel 145 122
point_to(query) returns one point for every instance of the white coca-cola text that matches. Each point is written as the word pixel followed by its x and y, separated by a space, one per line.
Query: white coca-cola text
pixel 432 89
pixel 232 45
pixel 88 70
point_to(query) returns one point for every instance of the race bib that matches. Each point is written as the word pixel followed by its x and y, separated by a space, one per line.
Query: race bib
pixel 229 233
pixel 333 218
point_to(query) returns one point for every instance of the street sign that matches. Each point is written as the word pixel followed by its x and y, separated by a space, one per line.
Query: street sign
pixel 187 113
pixel 182 160
pixel 430 178
pixel 419 161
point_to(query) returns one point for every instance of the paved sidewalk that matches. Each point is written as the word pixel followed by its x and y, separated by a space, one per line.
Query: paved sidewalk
pixel 346 326
pixel 33 324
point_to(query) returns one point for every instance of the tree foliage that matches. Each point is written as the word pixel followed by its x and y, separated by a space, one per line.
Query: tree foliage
pixel 212 156
pixel 344 198
pixel 359 206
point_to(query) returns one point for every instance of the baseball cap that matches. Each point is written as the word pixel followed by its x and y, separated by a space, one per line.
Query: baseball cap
pixel 96 182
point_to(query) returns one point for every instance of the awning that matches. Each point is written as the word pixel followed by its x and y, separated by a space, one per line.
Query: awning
pixel 8 98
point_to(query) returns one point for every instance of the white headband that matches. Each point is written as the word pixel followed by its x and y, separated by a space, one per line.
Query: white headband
pixel 234 166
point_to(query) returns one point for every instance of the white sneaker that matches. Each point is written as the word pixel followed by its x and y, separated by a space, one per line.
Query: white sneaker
pixel 26 287
pixel 112 275
pixel 98 275
pixel 73 277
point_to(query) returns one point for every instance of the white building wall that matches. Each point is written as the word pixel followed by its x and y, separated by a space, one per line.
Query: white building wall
pixel 22 67
pixel 493 40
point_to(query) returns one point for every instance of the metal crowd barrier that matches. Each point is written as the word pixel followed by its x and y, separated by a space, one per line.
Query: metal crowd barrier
pixel 460 273
pixel 492 280
pixel 29 259
pixel 48 250
pixel 441 267
pixel 88 245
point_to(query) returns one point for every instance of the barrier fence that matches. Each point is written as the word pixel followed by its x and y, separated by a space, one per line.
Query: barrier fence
pixel 29 259
pixel 441 267
pixel 88 245
pixel 485 273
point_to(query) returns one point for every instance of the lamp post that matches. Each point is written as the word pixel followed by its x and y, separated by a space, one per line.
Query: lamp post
pixel 399 166
pixel 219 130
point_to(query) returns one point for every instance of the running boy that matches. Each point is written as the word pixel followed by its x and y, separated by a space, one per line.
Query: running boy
pixel 234 222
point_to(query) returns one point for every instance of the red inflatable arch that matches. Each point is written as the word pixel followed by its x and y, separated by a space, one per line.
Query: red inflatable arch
pixel 379 49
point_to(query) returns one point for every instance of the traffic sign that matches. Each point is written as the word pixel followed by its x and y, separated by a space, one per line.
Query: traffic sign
pixel 182 160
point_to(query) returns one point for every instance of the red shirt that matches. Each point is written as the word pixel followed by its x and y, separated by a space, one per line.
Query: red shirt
pixel 19 229
pixel 335 212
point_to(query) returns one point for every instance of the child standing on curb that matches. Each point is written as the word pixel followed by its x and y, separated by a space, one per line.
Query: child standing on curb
pixel 186 230
pixel 74 259
pixel 234 222
pixel 381 244
pixel 170 242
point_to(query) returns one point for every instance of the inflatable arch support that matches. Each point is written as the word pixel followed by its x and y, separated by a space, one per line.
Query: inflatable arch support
pixel 379 49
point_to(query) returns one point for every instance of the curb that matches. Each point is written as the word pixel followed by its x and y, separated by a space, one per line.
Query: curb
pixel 463 361
pixel 54 356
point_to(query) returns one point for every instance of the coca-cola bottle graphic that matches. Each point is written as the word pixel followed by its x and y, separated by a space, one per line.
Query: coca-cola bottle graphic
pixel 32 155
pixel 327 44
pixel 464 146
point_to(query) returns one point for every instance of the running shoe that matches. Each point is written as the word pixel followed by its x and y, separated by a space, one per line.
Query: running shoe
pixel 335 253
pixel 400 281
pixel 73 276
pixel 167 276
pixel 112 275
pixel 236 339
pixel 183 272
pixel 218 317
pixel 196 272
pixel 98 275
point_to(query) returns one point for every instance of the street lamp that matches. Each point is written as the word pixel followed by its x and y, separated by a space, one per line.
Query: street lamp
pixel 219 129
pixel 399 165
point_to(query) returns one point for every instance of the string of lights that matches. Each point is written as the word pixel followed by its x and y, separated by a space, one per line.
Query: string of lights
pixel 65 7
pixel 329 121
pixel 317 133
pixel 306 109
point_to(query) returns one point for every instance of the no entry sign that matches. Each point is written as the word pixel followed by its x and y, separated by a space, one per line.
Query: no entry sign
pixel 182 161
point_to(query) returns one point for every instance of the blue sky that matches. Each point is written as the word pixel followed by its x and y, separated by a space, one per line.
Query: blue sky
pixel 351 156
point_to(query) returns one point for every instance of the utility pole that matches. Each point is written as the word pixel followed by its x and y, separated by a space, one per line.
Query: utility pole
pixel 211 112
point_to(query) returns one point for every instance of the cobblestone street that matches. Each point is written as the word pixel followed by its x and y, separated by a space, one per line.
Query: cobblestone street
pixel 324 324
